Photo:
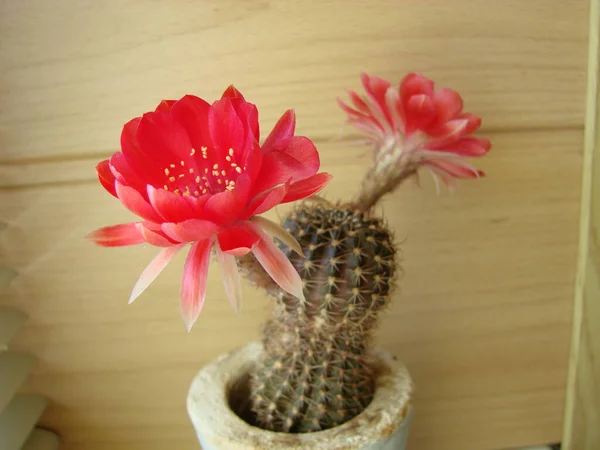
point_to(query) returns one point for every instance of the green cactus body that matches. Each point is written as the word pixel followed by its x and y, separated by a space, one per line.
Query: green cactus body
pixel 315 373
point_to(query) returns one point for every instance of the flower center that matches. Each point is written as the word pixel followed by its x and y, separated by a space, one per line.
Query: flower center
pixel 203 175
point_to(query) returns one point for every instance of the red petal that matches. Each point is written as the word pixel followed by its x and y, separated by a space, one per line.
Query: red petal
pixel 300 160
pixel 153 235
pixel 193 284
pixel 106 177
pixel 192 113
pixel 232 92
pixel 419 112
pixel 282 131
pixel 415 84
pixel 266 200
pixel 163 141
pixel 277 265
pixel 117 235
pixel 358 102
pixel 136 203
pixel 231 278
pixel 376 88
pixel 238 240
pixel 123 172
pixel 225 207
pixel 153 270
pixel 165 106
pixel 450 131
pixel 226 128
pixel 448 104
pixel 454 169
pixel 469 146
pixel 173 207
pixel 474 122
pixel 192 230
pixel 306 188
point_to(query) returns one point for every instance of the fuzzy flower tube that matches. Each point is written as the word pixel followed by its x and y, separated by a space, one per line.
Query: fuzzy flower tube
pixel 197 175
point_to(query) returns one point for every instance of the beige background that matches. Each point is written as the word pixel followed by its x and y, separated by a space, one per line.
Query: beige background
pixel 484 312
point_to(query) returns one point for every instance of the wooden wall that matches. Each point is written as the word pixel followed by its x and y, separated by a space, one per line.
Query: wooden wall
pixel 483 317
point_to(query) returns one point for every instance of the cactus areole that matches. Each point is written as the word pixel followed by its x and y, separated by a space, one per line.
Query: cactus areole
pixel 197 175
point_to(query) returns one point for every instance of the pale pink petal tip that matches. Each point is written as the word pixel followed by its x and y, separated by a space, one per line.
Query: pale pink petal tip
pixel 277 265
pixel 274 229
pixel 231 279
pixel 193 284
pixel 156 266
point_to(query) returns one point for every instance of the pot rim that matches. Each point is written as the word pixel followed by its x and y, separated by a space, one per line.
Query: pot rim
pixel 213 418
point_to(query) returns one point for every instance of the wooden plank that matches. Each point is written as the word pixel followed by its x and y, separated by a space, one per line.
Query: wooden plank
pixel 74 72
pixel 482 317
pixel 14 369
pixel 18 420
pixel 582 414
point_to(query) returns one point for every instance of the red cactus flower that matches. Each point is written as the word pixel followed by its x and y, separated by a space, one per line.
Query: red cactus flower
pixel 196 174
pixel 417 125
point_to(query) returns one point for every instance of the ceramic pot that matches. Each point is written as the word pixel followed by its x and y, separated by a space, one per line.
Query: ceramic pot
pixel 223 383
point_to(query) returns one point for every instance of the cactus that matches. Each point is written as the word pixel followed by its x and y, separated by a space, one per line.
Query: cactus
pixel 315 373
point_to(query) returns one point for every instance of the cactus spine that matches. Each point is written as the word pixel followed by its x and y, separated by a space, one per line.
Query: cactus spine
pixel 315 373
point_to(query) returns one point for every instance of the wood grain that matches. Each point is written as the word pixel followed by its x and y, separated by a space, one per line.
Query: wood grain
pixel 484 312
pixel 582 414
pixel 74 72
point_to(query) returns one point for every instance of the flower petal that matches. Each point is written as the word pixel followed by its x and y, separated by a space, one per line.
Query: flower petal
pixel 376 88
pixel 266 200
pixel 192 113
pixel 467 146
pixel 106 177
pixel 282 131
pixel 419 112
pixel 238 240
pixel 277 265
pixel 457 169
pixel 300 160
pixel 165 106
pixel 226 128
pixel 225 207
pixel 274 229
pixel 117 235
pixel 231 278
pixel 192 230
pixel 232 92
pixel 173 207
pixel 125 174
pixel 162 141
pixel 154 269
pixel 415 84
pixel 193 284
pixel 306 188
pixel 153 235
pixel 135 203
pixel 448 103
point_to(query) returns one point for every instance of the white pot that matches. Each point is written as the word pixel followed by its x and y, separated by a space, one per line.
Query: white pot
pixel 383 425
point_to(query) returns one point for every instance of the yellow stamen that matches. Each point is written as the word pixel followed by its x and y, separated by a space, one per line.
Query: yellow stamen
pixel 191 171
pixel 238 170
pixel 171 179
pixel 193 151
pixel 167 172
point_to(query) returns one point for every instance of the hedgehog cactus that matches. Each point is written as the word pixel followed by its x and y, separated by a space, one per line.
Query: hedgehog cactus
pixel 315 373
